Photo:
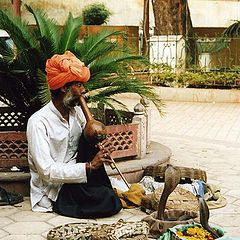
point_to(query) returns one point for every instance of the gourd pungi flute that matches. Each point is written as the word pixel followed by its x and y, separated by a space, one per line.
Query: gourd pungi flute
pixel 91 131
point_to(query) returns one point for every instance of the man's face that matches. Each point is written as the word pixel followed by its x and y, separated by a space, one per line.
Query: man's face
pixel 74 90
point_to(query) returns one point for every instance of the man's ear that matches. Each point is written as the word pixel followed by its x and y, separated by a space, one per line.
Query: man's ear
pixel 64 89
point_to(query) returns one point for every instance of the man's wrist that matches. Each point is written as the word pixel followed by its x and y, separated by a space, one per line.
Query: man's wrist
pixel 88 168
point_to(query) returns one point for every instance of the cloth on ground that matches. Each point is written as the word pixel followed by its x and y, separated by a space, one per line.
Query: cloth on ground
pixel 9 198
pixel 133 197
pixel 150 185
pixel 118 184
pixel 198 187
pixel 213 197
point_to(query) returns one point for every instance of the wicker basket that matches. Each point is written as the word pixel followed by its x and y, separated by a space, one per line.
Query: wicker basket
pixel 158 227
pixel 179 199
pixel 187 174
pixel 184 227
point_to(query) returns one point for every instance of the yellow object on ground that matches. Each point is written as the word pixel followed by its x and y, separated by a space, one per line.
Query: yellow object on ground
pixel 133 197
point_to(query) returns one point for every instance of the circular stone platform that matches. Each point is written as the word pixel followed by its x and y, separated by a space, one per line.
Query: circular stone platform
pixel 132 169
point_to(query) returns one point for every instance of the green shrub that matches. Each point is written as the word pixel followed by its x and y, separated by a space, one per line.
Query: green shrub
pixel 164 76
pixel 95 14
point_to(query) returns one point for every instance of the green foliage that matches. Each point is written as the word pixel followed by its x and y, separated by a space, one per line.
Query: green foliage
pixel 95 14
pixel 163 75
pixel 23 82
pixel 213 46
pixel 233 30
pixel 218 43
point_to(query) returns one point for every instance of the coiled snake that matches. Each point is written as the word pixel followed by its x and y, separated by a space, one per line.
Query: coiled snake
pixel 93 231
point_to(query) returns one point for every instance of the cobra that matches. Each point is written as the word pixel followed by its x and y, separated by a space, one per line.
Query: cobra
pixel 172 179
pixel 204 217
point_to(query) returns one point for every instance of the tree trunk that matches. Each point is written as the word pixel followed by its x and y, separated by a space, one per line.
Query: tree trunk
pixel 16 7
pixel 145 27
pixel 171 17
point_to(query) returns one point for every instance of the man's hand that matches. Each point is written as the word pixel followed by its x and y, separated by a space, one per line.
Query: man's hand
pixel 103 156
pixel 106 146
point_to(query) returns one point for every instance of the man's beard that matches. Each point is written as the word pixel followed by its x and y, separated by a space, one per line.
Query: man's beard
pixel 70 100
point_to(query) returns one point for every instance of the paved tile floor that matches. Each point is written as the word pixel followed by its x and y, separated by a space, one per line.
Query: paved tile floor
pixel 201 135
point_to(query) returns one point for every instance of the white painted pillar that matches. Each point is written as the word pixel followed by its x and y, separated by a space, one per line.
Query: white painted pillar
pixel 140 118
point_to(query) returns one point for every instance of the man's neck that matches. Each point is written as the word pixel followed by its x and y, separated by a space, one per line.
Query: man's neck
pixel 58 103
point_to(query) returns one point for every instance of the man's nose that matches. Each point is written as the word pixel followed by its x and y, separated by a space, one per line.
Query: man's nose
pixel 86 90
pixel 83 90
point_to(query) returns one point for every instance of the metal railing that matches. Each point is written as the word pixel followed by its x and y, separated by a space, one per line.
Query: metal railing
pixel 196 53
pixel 192 61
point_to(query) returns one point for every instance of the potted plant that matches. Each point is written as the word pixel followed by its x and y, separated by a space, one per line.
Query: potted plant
pixel 95 19
pixel 95 14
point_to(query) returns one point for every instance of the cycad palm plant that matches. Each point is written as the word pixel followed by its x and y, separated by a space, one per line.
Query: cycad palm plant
pixel 232 31
pixel 23 82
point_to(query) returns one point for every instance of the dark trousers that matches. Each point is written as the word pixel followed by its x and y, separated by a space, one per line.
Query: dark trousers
pixel 93 199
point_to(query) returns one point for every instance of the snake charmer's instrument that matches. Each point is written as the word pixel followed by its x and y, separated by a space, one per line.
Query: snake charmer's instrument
pixel 94 132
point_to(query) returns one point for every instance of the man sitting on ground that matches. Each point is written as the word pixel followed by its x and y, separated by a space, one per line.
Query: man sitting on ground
pixel 59 182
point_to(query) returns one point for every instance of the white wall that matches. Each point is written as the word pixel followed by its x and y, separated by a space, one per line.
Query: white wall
pixel 204 13
pixel 124 12
pixel 213 13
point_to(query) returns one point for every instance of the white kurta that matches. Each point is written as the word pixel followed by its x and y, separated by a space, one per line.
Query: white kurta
pixel 52 150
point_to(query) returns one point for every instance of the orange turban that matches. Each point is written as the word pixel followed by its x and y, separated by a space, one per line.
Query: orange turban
pixel 65 68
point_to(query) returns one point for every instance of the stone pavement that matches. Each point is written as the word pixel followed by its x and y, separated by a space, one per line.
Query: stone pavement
pixel 200 135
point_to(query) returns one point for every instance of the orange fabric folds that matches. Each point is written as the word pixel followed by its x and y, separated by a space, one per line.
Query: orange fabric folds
pixel 65 68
